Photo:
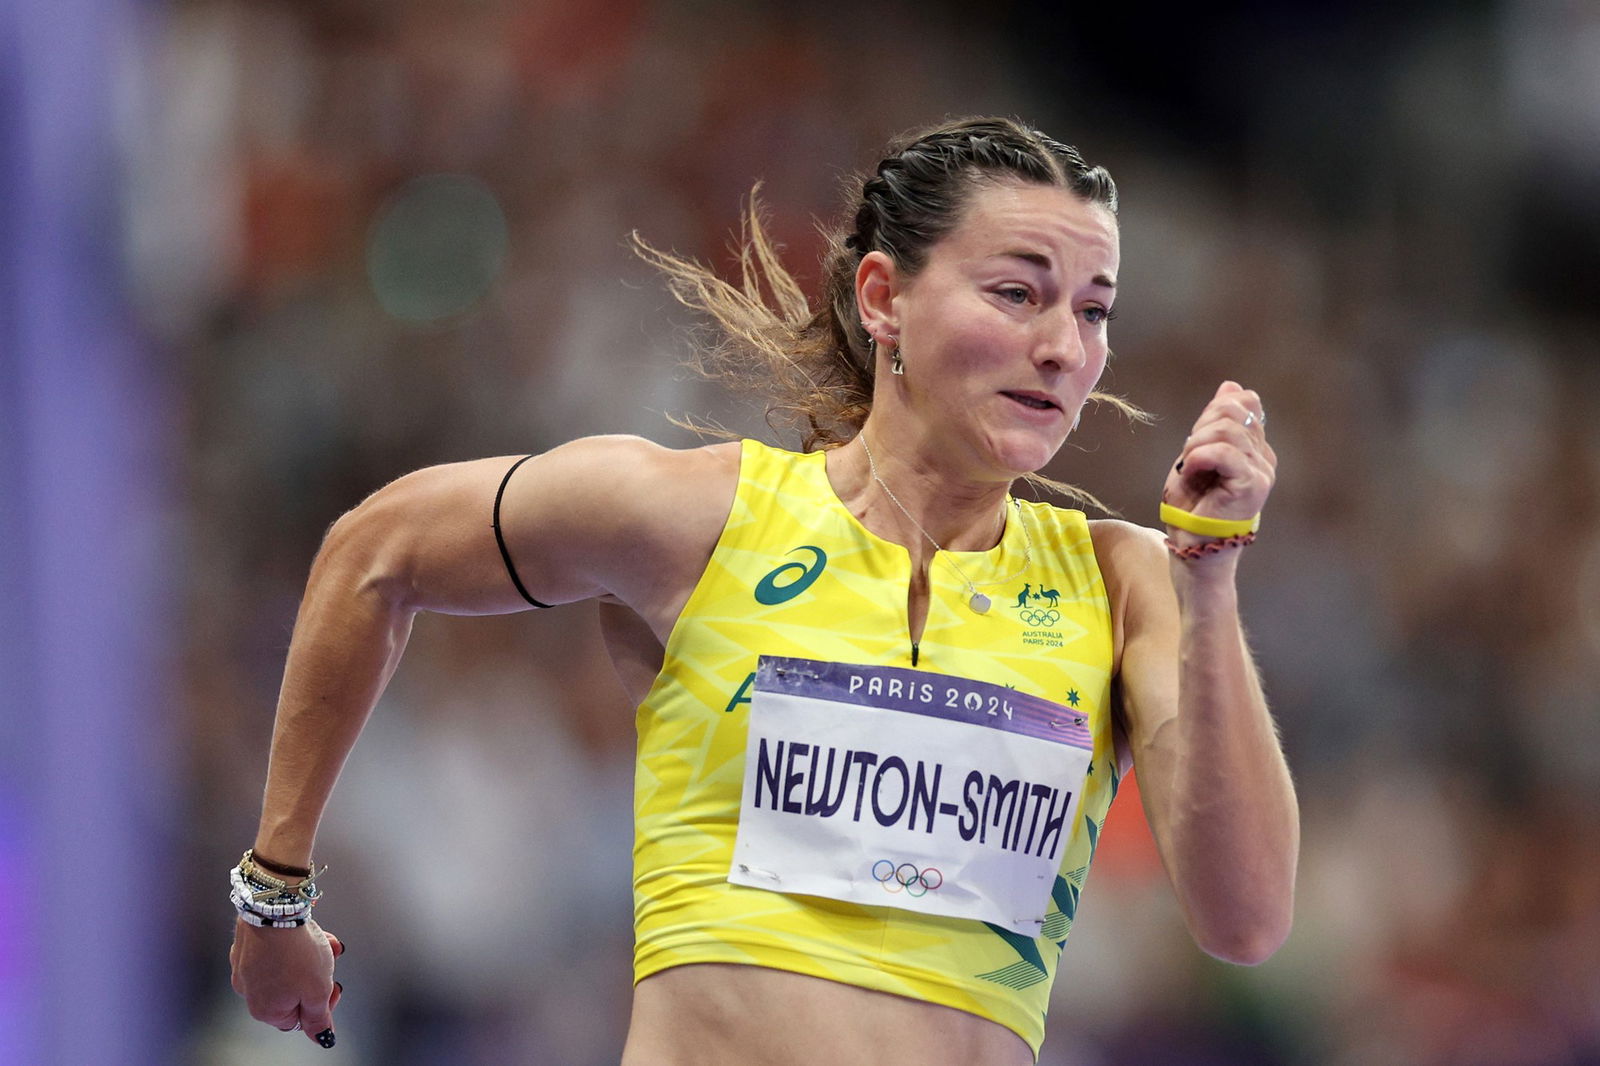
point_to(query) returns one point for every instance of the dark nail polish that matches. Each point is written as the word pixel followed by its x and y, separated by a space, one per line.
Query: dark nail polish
pixel 325 1038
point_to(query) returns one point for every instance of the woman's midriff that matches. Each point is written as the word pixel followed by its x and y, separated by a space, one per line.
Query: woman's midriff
pixel 714 1014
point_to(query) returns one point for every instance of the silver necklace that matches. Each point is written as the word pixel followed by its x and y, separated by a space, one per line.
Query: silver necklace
pixel 977 600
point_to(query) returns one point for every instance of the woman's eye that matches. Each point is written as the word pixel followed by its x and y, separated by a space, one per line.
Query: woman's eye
pixel 1097 315
pixel 1014 294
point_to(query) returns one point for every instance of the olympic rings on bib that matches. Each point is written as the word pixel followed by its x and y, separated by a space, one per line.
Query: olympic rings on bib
pixel 1047 617
pixel 906 877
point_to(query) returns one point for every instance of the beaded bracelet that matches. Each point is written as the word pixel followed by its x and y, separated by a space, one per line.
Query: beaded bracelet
pixel 261 922
pixel 1210 547
pixel 266 901
pixel 251 900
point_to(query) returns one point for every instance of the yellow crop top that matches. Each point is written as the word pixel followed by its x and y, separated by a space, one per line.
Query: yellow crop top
pixel 795 574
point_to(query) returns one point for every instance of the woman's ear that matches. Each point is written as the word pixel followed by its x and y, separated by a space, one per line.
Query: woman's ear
pixel 877 282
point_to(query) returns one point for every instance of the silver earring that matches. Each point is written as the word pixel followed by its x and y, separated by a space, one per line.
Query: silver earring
pixel 896 365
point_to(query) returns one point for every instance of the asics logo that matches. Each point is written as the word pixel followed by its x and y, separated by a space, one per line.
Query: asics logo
pixel 797 577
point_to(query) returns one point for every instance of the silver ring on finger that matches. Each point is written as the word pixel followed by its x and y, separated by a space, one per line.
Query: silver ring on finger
pixel 1249 420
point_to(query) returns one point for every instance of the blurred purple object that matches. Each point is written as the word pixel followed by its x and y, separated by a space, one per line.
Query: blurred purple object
pixel 86 954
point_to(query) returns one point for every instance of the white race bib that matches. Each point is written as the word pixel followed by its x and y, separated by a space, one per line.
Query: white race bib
pixel 902 788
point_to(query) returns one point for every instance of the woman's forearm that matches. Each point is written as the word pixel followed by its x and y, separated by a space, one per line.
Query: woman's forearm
pixel 348 638
pixel 1235 829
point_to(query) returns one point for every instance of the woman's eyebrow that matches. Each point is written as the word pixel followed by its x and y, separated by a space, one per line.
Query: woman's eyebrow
pixel 1039 259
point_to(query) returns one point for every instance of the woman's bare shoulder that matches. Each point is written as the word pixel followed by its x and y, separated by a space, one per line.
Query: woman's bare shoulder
pixel 645 482
pixel 642 518
pixel 626 448
pixel 1132 563
pixel 1125 550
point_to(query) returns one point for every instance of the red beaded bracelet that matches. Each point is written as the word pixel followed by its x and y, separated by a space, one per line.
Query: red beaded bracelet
pixel 1210 547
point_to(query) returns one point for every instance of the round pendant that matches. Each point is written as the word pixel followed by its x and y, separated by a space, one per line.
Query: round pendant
pixel 979 603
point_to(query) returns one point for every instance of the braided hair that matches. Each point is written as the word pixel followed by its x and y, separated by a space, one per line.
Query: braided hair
pixel 819 361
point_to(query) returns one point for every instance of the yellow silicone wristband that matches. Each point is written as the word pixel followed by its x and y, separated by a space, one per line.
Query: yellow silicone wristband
pixel 1178 518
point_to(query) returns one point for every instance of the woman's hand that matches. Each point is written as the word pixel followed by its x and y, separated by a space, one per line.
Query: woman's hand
pixel 1226 467
pixel 286 977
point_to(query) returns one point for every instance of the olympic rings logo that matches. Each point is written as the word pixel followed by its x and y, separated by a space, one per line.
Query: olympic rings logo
pixel 906 878
pixel 1047 617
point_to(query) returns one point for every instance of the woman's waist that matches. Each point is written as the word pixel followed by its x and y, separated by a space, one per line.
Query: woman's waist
pixel 715 1013
pixel 960 964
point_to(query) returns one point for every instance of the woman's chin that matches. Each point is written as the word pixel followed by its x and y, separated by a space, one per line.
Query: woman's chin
pixel 1020 454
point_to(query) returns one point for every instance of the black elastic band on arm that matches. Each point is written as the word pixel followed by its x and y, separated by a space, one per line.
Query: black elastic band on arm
pixel 499 538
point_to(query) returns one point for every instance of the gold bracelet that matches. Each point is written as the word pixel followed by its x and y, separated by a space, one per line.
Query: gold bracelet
pixel 1178 518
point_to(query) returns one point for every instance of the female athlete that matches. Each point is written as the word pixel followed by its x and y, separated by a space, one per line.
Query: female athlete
pixel 883 703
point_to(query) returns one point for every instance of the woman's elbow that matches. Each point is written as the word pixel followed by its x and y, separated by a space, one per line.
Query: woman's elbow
pixel 1244 943
pixel 364 551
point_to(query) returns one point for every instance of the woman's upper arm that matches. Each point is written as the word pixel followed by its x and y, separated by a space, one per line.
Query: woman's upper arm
pixel 1145 617
pixel 601 516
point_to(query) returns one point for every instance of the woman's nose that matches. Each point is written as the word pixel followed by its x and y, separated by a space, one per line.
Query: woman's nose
pixel 1060 347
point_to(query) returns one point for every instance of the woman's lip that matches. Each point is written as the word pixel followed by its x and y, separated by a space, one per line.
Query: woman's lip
pixel 1041 397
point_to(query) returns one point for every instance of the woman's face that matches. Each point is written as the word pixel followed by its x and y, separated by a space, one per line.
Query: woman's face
pixel 1004 329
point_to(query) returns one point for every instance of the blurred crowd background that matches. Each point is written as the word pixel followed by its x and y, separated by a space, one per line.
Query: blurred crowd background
pixel 259 257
